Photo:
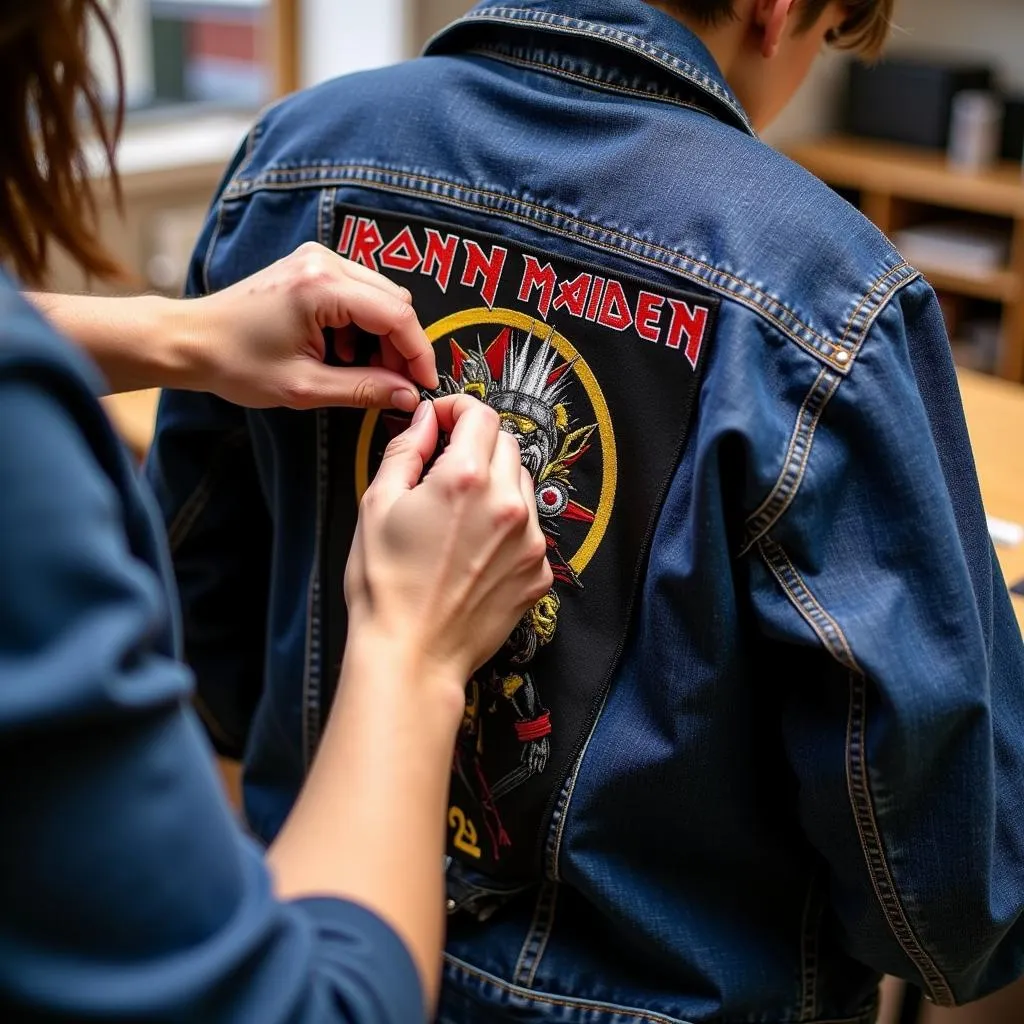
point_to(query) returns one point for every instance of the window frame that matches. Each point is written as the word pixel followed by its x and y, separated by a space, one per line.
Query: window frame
pixel 284 30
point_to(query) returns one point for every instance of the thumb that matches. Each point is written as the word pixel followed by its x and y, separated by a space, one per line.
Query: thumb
pixel 408 453
pixel 317 385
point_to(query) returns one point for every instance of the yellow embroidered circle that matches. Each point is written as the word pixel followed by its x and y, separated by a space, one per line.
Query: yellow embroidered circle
pixel 609 457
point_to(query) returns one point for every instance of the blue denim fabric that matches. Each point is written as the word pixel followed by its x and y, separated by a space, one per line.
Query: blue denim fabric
pixel 810 765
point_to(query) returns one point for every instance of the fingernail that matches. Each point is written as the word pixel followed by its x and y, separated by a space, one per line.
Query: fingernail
pixel 421 412
pixel 405 400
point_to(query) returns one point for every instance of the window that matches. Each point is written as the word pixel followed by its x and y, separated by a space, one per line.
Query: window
pixel 209 52
pixel 217 54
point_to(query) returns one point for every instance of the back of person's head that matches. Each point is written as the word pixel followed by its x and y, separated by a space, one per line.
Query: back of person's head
pixel 50 105
pixel 864 30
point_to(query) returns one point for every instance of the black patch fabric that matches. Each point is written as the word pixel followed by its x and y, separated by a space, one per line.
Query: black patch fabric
pixel 1018 589
pixel 597 376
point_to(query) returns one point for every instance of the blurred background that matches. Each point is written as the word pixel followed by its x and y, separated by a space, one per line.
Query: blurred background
pixel 929 144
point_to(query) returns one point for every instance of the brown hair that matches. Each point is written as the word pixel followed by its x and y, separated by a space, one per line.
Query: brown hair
pixel 865 29
pixel 50 104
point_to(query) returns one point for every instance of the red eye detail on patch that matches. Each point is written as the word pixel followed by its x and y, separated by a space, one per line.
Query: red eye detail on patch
pixel 552 499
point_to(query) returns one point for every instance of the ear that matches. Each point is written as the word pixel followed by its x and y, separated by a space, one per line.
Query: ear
pixel 772 17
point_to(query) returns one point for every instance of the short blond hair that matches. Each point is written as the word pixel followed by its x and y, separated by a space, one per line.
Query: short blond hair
pixel 864 31
pixel 866 28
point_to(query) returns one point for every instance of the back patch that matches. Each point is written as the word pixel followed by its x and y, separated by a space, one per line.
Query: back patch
pixel 596 375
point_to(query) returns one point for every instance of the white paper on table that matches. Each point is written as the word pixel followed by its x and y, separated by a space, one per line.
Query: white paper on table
pixel 1004 533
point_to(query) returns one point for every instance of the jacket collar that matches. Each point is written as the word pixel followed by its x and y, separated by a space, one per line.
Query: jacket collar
pixel 630 26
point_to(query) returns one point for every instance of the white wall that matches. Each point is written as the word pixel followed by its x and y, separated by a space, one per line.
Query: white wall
pixel 990 29
pixel 130 20
pixel 813 110
pixel 339 36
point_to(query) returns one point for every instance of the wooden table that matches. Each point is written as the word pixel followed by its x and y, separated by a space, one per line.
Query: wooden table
pixel 995 418
pixel 134 416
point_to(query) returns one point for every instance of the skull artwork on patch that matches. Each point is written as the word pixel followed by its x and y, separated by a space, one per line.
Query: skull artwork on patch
pixel 533 379
pixel 581 363
pixel 525 381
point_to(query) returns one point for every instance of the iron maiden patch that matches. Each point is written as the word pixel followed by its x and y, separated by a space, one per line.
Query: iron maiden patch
pixel 596 375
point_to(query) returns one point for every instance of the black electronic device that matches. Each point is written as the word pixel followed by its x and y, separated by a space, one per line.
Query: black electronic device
pixel 908 99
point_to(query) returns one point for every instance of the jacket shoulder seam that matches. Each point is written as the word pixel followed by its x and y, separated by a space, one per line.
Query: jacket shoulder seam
pixel 798 454
pixel 872 303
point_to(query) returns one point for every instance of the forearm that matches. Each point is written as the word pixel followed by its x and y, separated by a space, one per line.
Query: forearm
pixel 144 341
pixel 369 825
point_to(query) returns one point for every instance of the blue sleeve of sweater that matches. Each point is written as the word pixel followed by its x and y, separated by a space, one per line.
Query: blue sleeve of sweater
pixel 129 891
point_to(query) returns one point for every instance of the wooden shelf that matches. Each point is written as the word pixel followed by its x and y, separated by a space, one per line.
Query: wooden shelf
pixel 894 181
pixel 910 173
pixel 998 286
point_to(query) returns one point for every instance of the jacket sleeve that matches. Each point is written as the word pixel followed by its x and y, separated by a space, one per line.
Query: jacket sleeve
pixel 129 891
pixel 202 470
pixel 903 670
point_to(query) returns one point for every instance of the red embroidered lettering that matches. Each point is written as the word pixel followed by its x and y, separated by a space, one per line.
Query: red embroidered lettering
pixel 595 298
pixel 544 278
pixel 690 323
pixel 367 243
pixel 346 234
pixel 648 313
pixel 402 252
pixel 440 256
pixel 478 264
pixel 572 295
pixel 615 308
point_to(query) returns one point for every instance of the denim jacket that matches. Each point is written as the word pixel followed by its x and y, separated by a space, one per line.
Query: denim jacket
pixel 765 740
